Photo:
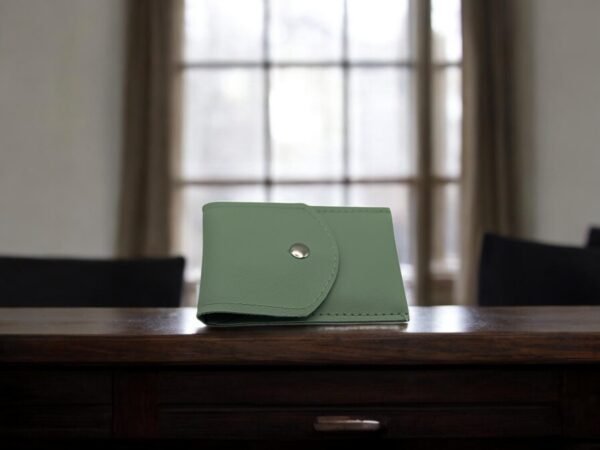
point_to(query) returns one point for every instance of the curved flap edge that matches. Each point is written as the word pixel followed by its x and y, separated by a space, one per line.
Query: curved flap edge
pixel 247 268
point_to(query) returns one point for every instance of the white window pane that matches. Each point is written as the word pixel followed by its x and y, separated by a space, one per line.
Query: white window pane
pixel 306 30
pixel 378 30
pixel 223 30
pixel 381 123
pixel 447 30
pixel 306 123
pixel 447 121
pixel 446 229
pixel 192 200
pixel 311 194
pixel 222 135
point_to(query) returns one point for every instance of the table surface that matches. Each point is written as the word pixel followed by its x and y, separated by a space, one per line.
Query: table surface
pixel 173 336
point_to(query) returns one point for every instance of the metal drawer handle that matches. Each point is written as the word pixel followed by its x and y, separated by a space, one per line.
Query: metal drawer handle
pixel 345 423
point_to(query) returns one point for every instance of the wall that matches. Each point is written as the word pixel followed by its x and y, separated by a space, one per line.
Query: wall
pixel 559 118
pixel 61 71
pixel 61 67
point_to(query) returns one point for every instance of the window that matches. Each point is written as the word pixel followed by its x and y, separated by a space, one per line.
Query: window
pixel 333 102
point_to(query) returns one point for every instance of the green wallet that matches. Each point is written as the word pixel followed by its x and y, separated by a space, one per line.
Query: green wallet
pixel 291 263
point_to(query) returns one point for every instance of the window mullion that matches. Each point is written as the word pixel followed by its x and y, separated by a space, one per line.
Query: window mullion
pixel 345 107
pixel 425 142
pixel 268 155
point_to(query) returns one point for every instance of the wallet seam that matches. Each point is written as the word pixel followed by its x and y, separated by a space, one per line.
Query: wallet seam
pixel 334 270
pixel 363 314
pixel 257 304
pixel 320 314
pixel 344 210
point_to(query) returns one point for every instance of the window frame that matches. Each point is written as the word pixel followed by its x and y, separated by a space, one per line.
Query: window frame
pixel 429 287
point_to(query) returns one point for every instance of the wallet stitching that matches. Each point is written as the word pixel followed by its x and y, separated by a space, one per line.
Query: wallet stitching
pixel 327 282
pixel 335 250
pixel 320 314
pixel 348 210
pixel 258 304
pixel 362 314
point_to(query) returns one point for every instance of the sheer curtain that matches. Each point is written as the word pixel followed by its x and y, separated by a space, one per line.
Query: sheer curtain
pixel 488 149
pixel 150 120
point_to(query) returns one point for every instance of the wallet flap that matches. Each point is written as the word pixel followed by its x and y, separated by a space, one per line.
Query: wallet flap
pixel 247 265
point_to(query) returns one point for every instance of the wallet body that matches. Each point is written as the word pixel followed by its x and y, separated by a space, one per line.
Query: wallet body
pixel 348 273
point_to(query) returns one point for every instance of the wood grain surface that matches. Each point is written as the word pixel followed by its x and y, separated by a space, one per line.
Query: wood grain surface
pixel 435 335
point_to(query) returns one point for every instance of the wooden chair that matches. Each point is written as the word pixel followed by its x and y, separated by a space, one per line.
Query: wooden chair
pixel 515 272
pixel 56 282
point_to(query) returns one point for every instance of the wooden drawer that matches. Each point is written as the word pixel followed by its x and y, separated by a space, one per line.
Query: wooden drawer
pixel 55 403
pixel 396 423
pixel 581 403
pixel 357 387
pixel 55 386
pixel 55 421
pixel 409 403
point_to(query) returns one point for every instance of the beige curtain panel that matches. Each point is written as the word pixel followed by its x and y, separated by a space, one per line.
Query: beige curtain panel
pixel 488 150
pixel 146 206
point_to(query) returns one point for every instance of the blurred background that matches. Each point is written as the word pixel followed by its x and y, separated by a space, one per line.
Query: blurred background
pixel 120 119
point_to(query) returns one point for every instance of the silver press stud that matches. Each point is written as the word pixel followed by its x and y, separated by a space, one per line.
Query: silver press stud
pixel 299 251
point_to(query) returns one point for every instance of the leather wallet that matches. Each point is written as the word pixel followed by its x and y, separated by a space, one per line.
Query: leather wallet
pixel 291 263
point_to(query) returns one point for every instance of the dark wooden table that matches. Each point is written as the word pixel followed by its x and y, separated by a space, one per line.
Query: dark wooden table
pixel 510 377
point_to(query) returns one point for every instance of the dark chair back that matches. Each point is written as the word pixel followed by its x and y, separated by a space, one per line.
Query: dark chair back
pixel 593 240
pixel 57 282
pixel 516 272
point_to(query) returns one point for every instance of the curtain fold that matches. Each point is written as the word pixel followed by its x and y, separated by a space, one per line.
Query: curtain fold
pixel 145 200
pixel 488 150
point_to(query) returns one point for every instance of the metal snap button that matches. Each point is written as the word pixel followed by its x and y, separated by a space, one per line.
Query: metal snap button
pixel 299 251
